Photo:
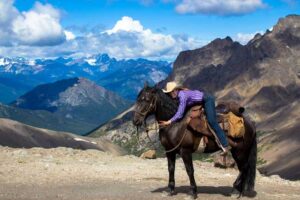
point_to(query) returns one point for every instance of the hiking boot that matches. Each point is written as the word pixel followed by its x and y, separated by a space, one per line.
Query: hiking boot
pixel 225 150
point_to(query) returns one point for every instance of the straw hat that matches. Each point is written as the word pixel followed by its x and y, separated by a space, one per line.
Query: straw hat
pixel 170 87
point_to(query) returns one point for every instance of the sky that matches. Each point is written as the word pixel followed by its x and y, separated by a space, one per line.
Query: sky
pixel 124 29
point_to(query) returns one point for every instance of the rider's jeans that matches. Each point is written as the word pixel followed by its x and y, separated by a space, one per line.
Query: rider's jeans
pixel 209 106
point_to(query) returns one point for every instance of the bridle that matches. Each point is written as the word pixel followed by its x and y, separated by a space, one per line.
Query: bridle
pixel 143 114
pixel 152 106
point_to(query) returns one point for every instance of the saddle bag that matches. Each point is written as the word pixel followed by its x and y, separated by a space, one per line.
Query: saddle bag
pixel 233 125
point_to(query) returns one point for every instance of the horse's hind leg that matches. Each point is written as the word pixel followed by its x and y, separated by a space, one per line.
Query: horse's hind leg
pixel 186 155
pixel 171 167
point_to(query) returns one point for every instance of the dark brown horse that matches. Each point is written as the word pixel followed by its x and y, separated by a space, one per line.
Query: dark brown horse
pixel 178 138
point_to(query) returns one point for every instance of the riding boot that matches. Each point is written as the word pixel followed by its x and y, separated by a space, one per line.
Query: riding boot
pixel 225 150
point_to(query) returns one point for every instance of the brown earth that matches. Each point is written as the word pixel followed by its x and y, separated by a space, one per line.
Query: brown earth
pixel 64 173
pixel 18 135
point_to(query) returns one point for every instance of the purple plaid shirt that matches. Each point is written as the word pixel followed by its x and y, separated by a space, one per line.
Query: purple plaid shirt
pixel 187 98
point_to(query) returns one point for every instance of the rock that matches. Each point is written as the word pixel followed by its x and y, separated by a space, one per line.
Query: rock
pixel 150 154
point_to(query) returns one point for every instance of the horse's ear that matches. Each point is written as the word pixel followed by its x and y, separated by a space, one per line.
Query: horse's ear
pixel 146 84
pixel 155 87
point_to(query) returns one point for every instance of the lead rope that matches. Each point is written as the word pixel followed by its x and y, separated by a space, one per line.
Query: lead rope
pixel 156 132
pixel 152 143
pixel 168 151
pixel 138 136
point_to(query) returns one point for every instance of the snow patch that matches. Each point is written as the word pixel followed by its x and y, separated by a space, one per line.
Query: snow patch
pixel 104 68
pixel 91 61
pixel 82 140
pixel 4 61
pixel 31 62
pixel 89 71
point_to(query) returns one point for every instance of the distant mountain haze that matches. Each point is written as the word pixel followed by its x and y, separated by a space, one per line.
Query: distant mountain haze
pixel 115 75
pixel 71 100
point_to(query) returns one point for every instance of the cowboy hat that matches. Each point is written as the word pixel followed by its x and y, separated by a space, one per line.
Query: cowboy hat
pixel 170 87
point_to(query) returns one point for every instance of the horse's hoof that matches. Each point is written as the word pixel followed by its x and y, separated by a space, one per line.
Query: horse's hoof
pixel 172 193
pixel 250 193
pixel 193 195
pixel 235 194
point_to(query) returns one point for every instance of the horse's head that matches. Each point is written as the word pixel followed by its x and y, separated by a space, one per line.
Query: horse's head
pixel 145 105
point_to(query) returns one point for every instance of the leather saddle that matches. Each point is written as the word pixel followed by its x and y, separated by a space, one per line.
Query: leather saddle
pixel 229 117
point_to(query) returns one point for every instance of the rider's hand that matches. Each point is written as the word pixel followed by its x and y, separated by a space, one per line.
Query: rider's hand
pixel 165 123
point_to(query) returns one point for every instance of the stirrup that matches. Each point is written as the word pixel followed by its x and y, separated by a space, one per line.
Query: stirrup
pixel 225 150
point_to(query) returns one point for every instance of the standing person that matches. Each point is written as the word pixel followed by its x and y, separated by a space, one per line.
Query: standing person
pixel 192 97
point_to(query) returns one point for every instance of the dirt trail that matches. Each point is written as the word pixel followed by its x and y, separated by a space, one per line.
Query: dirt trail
pixel 64 173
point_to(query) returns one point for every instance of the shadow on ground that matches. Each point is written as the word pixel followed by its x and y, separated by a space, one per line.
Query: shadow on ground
pixel 222 190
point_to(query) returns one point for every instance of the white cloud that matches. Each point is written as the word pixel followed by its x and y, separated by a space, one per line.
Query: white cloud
pixel 39 26
pixel 126 39
pixel 126 24
pixel 218 7
pixel 244 38
pixel 69 35
pixel 129 39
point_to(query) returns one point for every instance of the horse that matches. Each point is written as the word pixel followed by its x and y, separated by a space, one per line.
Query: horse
pixel 178 138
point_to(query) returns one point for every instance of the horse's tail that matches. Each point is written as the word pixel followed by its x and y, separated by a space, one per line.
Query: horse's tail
pixel 246 179
pixel 251 166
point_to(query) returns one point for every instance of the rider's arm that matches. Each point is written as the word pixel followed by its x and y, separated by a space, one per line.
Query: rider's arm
pixel 181 108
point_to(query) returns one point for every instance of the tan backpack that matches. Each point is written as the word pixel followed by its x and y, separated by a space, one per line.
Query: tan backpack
pixel 234 125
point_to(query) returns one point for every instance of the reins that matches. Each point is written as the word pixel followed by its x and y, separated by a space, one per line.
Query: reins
pixel 156 132
pixel 168 151
pixel 152 143
pixel 153 103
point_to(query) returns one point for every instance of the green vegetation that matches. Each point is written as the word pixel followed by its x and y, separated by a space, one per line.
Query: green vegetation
pixel 203 157
pixel 262 133
pixel 261 161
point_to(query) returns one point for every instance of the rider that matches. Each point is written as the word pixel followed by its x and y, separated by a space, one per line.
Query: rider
pixel 189 98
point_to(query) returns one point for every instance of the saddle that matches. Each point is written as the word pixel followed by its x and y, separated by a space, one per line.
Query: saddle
pixel 229 116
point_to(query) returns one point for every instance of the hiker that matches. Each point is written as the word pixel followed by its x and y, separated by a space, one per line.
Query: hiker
pixel 192 97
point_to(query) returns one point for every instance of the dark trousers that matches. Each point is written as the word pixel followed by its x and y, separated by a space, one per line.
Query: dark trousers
pixel 210 110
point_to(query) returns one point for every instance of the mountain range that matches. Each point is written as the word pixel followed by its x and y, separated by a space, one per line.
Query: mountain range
pixel 19 75
pixel 75 105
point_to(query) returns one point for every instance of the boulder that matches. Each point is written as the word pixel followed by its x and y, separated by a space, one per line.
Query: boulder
pixel 150 154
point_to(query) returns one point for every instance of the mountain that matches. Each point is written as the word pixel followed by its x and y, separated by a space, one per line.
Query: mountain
pixel 133 74
pixel 121 131
pixel 18 135
pixel 263 76
pixel 115 75
pixel 76 99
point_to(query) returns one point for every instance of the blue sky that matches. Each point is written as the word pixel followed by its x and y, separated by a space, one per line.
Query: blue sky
pixel 157 29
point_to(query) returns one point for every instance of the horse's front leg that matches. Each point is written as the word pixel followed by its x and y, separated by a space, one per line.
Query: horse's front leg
pixel 171 167
pixel 186 155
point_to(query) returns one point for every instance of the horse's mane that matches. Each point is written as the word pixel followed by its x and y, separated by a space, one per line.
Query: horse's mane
pixel 166 106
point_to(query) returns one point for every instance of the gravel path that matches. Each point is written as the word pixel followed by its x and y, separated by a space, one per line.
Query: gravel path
pixel 69 174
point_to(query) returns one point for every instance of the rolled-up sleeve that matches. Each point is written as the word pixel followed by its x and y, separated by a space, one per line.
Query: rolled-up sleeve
pixel 181 108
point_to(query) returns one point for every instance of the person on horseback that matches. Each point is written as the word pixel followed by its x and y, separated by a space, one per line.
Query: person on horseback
pixel 192 97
